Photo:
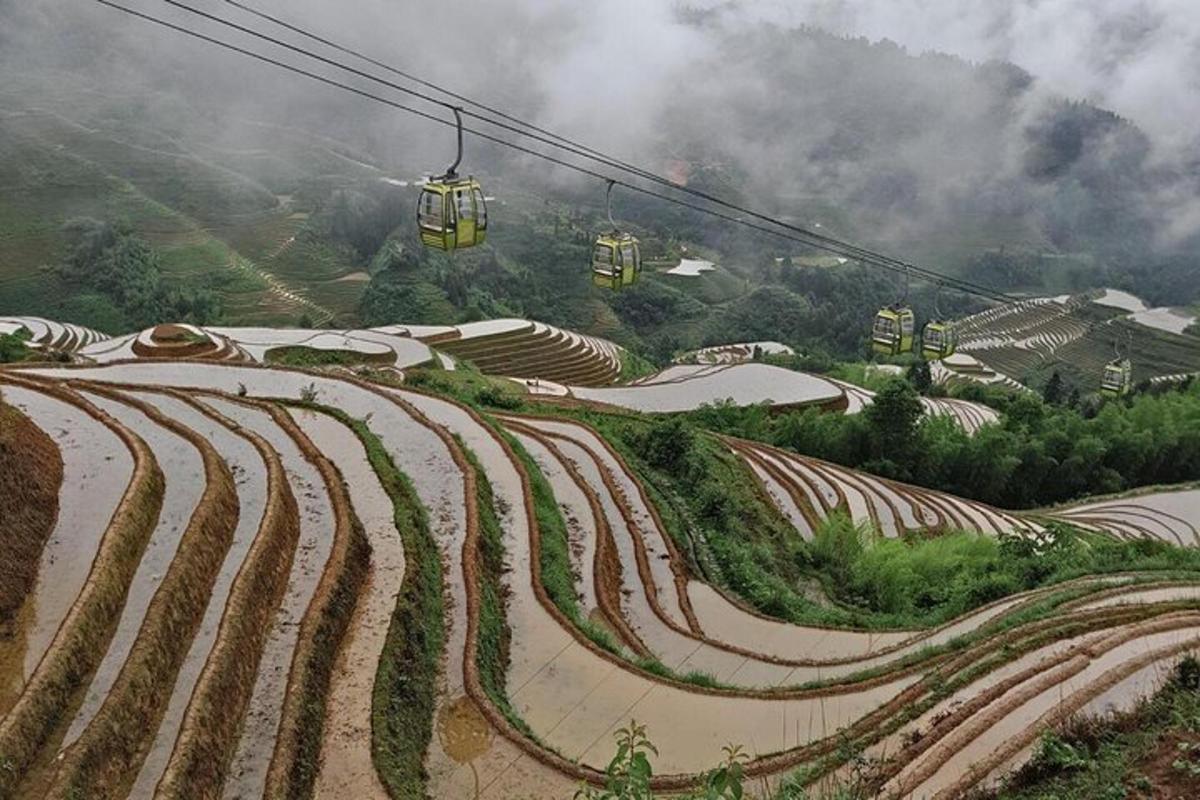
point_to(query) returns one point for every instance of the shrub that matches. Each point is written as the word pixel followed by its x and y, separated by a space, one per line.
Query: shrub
pixel 629 773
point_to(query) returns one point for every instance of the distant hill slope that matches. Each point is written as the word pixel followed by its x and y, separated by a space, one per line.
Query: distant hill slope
pixel 1075 336
pixel 211 225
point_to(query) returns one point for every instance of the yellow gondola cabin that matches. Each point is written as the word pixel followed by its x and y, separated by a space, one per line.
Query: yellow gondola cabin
pixel 452 214
pixel 938 340
pixel 616 261
pixel 892 334
pixel 616 257
pixel 1117 379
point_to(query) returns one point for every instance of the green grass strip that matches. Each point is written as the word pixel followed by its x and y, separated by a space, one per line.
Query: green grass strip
pixel 494 635
pixel 405 693
pixel 557 573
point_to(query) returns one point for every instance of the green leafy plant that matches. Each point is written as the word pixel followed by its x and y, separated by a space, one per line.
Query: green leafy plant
pixel 629 774
pixel 725 782
pixel 1060 755
pixel 1189 758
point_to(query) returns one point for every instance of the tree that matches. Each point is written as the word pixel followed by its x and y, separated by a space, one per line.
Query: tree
pixel 920 377
pixel 1054 392
pixel 893 419
pixel 113 262
pixel 667 444
pixel 12 348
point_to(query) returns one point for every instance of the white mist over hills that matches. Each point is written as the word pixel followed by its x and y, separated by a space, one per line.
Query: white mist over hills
pixel 1140 58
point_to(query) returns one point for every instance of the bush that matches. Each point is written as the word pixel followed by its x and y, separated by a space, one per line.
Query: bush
pixel 491 396
pixel 13 349
pixel 667 445
pixel 926 581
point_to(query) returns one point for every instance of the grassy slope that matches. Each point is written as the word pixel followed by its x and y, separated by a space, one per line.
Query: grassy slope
pixel 494 636
pixel 555 562
pixel 300 356
pixel 213 227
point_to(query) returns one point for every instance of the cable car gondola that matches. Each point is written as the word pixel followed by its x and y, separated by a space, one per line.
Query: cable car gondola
pixel 1117 379
pixel 892 334
pixel 893 331
pixel 616 258
pixel 451 212
pixel 939 338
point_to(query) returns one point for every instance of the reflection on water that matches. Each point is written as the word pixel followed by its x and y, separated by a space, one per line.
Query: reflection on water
pixel 463 731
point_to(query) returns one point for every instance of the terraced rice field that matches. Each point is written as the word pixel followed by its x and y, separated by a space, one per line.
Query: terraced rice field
pixel 512 348
pixel 687 387
pixel 807 490
pixel 220 597
pixel 967 414
pixel 261 345
pixel 522 349
pixel 49 335
pixel 1077 336
pixel 964 366
pixel 733 353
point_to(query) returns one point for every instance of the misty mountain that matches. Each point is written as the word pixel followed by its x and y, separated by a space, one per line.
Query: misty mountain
pixel 971 168
pixel 913 148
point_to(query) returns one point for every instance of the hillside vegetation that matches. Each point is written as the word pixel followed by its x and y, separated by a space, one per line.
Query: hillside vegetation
pixel 1041 454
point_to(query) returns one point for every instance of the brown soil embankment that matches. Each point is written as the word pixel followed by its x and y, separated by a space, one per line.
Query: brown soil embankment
pixel 295 763
pixel 31 472
pixel 106 756
pixel 83 637
pixel 209 732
